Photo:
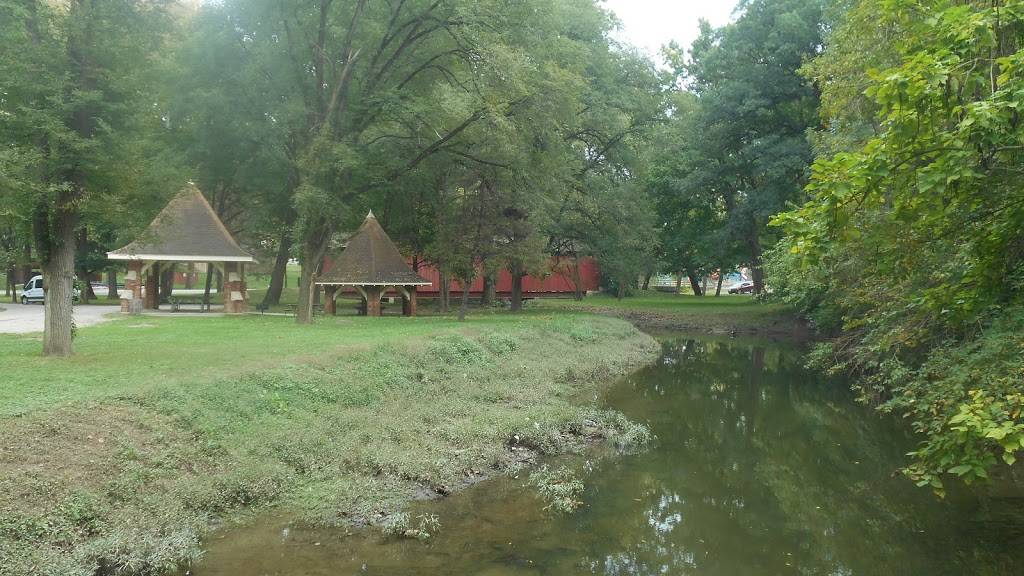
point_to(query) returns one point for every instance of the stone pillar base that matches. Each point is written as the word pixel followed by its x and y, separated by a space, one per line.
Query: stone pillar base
pixel 152 297
pixel 234 289
pixel 132 288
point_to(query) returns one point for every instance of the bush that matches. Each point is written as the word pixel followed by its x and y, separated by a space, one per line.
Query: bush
pixel 968 400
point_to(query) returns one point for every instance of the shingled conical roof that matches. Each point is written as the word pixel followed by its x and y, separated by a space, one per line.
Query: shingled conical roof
pixel 187 229
pixel 371 258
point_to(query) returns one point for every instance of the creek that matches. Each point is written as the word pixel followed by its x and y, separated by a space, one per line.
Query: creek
pixel 760 468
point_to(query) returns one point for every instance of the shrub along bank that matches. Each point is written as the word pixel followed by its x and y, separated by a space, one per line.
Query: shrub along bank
pixel 121 462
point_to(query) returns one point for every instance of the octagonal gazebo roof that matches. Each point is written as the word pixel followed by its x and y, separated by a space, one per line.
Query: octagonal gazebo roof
pixel 186 230
pixel 371 259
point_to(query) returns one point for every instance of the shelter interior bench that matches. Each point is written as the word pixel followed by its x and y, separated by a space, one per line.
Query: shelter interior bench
pixel 178 301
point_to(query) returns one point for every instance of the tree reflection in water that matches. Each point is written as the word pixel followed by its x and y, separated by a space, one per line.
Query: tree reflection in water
pixel 760 468
pixel 764 468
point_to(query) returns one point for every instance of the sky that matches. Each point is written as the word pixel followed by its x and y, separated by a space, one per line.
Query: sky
pixel 650 24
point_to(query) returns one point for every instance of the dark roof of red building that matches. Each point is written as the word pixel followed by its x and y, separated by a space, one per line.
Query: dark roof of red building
pixel 371 258
pixel 187 229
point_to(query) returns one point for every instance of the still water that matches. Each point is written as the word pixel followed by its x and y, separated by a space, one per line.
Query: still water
pixel 760 468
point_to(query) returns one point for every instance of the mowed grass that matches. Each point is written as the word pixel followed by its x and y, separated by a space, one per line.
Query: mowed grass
pixel 141 351
pixel 121 458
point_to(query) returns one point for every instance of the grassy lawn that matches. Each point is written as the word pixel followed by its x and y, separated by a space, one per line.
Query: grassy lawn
pixel 728 313
pixel 125 455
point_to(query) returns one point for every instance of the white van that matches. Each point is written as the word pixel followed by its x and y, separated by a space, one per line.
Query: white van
pixel 33 291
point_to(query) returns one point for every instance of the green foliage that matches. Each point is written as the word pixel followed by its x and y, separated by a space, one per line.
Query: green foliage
pixel 735 152
pixel 967 400
pixel 559 487
pixel 909 250
pixel 626 435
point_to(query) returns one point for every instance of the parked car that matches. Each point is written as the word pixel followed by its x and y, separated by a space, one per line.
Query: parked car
pixel 33 291
pixel 742 288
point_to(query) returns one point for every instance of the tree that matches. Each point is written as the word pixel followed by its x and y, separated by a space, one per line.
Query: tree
pixel 74 88
pixel 233 123
pixel 752 112
pixel 910 245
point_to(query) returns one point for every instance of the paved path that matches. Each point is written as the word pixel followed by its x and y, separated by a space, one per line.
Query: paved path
pixel 21 319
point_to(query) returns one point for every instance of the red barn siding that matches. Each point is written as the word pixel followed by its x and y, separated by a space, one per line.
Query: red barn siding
pixel 558 282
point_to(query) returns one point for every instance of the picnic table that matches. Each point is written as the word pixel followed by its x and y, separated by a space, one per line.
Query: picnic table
pixel 178 301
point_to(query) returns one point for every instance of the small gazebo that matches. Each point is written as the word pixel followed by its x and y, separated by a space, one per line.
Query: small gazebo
pixel 371 264
pixel 186 230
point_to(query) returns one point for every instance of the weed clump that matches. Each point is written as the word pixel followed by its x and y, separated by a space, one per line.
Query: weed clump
pixel 421 527
pixel 559 487
pixel 500 343
pixel 458 350
pixel 627 436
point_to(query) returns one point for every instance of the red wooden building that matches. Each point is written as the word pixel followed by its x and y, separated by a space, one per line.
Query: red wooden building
pixel 557 282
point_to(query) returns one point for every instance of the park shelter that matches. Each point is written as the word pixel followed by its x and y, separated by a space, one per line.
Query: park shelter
pixel 371 265
pixel 186 230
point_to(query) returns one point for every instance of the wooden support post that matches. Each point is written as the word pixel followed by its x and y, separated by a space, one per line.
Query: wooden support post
pixel 373 294
pixel 330 305
pixel 362 304
pixel 409 301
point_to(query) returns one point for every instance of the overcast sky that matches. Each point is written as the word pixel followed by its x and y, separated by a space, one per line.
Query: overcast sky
pixel 650 24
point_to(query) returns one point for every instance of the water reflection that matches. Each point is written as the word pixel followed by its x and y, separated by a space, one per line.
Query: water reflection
pixel 760 468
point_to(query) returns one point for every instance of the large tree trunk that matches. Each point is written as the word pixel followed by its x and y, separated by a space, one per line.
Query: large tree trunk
pixel 694 282
pixel 209 285
pixel 112 285
pixel 444 294
pixel 487 296
pixel 26 268
pixel 12 284
pixel 167 282
pixel 304 311
pixel 718 287
pixel 517 288
pixel 58 277
pixel 464 305
pixel 647 282
pixel 86 293
pixel 280 272
pixel 679 283
pixel 756 271
pixel 313 252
